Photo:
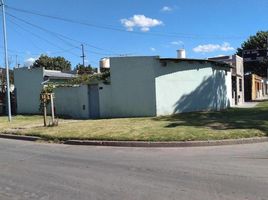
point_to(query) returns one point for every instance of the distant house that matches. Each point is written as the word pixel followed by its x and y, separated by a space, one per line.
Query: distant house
pixel 29 83
pixel 256 87
pixel 139 86
pixel 238 90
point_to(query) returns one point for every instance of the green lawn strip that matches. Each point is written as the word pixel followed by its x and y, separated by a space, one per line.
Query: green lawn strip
pixel 233 123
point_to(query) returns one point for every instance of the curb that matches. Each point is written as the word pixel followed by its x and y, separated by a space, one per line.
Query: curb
pixel 20 137
pixel 145 144
pixel 168 144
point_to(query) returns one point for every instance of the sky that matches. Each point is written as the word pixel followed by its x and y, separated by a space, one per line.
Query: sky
pixel 110 28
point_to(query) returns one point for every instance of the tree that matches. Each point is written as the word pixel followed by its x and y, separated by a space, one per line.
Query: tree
pixel 258 41
pixel 52 63
pixel 85 69
pixel 3 76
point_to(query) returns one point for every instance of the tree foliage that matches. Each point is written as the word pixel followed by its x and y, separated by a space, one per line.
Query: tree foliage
pixel 3 76
pixel 53 63
pixel 92 78
pixel 81 69
pixel 258 41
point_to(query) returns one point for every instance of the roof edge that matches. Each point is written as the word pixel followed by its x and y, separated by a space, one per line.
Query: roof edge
pixel 221 64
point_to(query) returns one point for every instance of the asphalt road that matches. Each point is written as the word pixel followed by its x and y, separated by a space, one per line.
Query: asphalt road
pixel 33 171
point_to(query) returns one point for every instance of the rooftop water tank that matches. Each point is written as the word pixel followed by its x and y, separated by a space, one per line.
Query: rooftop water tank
pixel 181 53
pixel 105 63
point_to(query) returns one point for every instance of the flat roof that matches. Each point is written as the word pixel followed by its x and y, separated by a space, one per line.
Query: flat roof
pixel 218 63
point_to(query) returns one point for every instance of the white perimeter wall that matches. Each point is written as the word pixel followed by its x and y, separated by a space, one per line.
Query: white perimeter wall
pixel 105 98
pixel 72 102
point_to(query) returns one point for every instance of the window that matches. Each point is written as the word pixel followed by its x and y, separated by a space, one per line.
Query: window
pixel 240 85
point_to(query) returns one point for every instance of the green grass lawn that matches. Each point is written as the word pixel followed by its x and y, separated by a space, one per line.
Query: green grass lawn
pixel 232 123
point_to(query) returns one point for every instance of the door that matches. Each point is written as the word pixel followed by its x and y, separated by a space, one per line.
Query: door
pixel 234 89
pixel 93 97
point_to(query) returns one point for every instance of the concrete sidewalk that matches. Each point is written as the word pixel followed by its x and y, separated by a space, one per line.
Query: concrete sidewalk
pixel 246 105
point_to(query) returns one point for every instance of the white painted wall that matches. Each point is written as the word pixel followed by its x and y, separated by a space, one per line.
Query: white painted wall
pixel 143 86
pixel 105 98
pixel 239 64
pixel 28 87
pixel 72 102
pixel 140 86
pixel 132 89
pixel 188 87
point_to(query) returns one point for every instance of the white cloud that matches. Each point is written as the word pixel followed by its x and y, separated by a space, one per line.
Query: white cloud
pixel 177 43
pixel 166 9
pixel 140 21
pixel 208 48
pixel 153 49
pixel 29 62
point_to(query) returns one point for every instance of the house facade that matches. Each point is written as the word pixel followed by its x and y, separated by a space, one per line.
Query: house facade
pixel 143 86
pixel 154 86
pixel 29 83
pixel 238 88
pixel 256 87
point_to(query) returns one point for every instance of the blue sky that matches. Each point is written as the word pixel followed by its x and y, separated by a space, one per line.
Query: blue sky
pixel 129 27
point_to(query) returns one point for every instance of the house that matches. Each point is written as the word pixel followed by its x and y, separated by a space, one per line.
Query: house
pixel 154 86
pixel 256 87
pixel 29 83
pixel 138 87
pixel 238 90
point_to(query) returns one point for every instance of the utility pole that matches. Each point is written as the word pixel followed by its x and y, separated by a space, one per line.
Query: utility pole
pixel 83 54
pixel 6 60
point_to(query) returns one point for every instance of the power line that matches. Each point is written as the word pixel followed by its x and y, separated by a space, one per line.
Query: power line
pixel 37 46
pixel 93 46
pixel 44 39
pixel 113 28
pixel 24 29
pixel 57 35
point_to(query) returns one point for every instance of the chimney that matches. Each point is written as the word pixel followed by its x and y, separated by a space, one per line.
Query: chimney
pixel 181 53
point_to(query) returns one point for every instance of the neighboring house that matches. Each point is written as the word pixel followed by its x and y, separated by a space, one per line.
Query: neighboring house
pixel 256 87
pixel 139 86
pixel 54 76
pixel 29 83
pixel 238 90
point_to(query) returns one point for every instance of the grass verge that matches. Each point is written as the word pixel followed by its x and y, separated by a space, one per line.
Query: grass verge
pixel 233 123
